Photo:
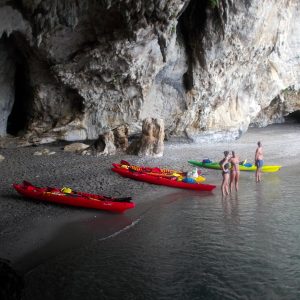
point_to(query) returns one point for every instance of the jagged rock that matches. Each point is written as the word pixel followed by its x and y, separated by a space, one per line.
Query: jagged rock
pixel 76 147
pixel 104 145
pixel 11 283
pixel 83 67
pixel 110 142
pixel 121 137
pixel 287 102
pixel 151 142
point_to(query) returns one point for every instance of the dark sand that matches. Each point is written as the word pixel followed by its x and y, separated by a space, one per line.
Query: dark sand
pixel 27 227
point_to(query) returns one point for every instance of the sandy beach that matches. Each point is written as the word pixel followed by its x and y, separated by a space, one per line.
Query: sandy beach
pixel 29 225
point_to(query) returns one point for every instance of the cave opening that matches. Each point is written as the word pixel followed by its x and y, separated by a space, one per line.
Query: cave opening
pixel 20 114
pixel 293 117
pixel 191 31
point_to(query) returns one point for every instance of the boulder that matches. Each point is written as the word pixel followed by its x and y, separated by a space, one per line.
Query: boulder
pixel 43 152
pixel 151 142
pixel 121 137
pixel 109 142
pixel 104 145
pixel 75 147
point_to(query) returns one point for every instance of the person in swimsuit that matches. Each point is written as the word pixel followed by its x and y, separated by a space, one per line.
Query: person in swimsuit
pixel 224 164
pixel 259 161
pixel 234 171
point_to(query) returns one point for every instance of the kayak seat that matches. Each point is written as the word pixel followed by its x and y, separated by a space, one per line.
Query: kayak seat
pixel 206 161
pixel 247 165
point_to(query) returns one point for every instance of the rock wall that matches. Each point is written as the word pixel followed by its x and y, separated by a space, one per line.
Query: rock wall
pixel 246 56
pixel 7 73
pixel 205 67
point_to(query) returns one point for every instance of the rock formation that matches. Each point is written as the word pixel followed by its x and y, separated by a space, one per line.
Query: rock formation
pixel 151 142
pixel 121 137
pixel 104 145
pixel 109 142
pixel 72 70
pixel 76 147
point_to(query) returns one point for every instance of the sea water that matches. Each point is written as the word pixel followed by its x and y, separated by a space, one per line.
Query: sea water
pixel 187 245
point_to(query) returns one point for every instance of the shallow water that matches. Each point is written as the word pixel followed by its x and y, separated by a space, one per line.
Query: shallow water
pixel 184 245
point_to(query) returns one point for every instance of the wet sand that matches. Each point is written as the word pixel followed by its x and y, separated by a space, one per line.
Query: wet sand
pixel 28 227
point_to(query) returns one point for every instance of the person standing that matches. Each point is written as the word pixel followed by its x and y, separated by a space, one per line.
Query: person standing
pixel 234 171
pixel 224 164
pixel 259 161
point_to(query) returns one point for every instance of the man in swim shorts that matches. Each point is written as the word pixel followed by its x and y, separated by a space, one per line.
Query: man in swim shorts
pixel 259 161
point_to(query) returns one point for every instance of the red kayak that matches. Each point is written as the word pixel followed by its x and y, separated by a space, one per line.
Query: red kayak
pixel 72 198
pixel 162 180
pixel 150 170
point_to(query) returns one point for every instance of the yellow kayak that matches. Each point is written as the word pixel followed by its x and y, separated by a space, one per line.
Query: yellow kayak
pixel 244 167
pixel 266 169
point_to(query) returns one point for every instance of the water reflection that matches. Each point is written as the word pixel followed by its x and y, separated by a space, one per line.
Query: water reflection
pixel 188 245
pixel 230 205
pixel 70 236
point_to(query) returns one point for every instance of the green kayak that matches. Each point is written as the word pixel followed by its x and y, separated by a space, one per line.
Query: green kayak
pixel 244 167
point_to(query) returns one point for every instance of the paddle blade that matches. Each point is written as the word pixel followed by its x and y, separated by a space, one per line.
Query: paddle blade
pixel 124 162
pixel 121 199
pixel 124 199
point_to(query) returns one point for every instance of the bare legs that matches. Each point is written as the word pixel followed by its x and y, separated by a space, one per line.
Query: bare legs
pixel 225 184
pixel 230 181
pixel 234 180
pixel 258 174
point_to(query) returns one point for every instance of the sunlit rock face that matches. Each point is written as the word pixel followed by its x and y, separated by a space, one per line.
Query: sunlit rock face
pixel 287 103
pixel 246 56
pixel 85 67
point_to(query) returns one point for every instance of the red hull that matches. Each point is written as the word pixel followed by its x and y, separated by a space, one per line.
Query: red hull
pixel 162 180
pixel 156 171
pixel 79 199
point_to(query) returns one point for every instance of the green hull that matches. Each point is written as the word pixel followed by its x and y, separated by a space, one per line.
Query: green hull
pixel 252 168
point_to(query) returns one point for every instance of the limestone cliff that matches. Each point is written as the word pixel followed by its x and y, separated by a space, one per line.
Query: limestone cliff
pixel 73 69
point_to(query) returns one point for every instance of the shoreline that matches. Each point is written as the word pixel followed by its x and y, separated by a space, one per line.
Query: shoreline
pixel 27 226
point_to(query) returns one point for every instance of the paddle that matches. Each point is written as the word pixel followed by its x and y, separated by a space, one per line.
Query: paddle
pixel 27 183
pixel 122 199
pixel 105 198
